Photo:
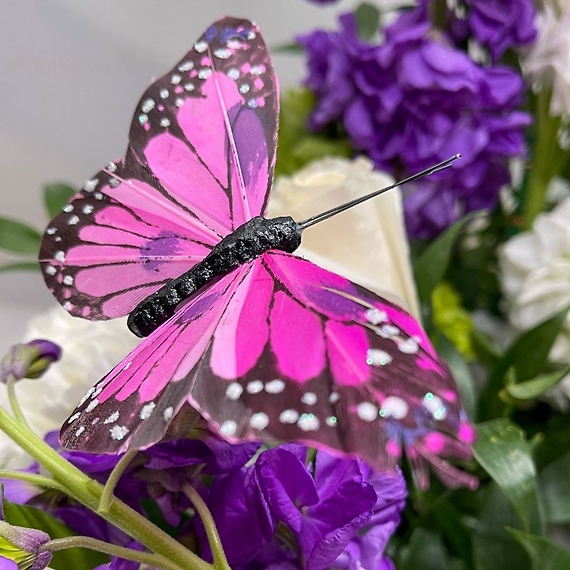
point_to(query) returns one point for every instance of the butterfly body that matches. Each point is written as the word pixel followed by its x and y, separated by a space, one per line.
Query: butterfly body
pixel 247 242
pixel 265 344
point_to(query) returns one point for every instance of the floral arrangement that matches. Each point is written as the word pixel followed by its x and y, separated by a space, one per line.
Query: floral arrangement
pixel 479 252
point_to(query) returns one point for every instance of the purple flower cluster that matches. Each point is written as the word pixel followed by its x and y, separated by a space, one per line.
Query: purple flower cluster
pixel 282 511
pixel 321 508
pixel 496 24
pixel 413 101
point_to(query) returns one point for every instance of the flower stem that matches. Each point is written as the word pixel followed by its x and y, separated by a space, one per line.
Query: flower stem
pixel 18 414
pixel 153 560
pixel 220 560
pixel 33 479
pixel 113 479
pixel 549 160
pixel 88 492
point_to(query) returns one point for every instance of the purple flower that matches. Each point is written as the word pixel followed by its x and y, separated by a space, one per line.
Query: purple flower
pixel 497 25
pixel 413 101
pixel 323 1
pixel 29 360
pixel 323 506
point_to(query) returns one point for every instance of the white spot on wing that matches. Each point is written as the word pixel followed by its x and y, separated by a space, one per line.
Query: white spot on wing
pixel 308 422
pixel 275 386
pixel 234 391
pixel 288 416
pixel 259 421
pixel 119 432
pixel 229 428
pixel 367 411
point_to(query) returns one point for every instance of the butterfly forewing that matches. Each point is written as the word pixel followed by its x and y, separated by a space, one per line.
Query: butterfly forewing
pixel 199 163
pixel 208 128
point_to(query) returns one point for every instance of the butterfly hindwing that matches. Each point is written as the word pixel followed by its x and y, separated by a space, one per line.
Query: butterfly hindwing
pixel 333 365
pixel 199 163
pixel 133 405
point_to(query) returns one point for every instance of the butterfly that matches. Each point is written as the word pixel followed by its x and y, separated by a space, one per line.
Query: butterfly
pixel 276 348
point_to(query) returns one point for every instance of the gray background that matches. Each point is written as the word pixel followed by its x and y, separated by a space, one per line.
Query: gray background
pixel 72 72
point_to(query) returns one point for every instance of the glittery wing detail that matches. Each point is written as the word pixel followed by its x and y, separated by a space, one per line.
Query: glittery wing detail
pixel 133 405
pixel 208 128
pixel 304 354
pixel 117 242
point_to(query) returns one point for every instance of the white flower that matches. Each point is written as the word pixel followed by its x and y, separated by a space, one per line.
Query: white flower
pixel 368 243
pixel 89 351
pixel 547 64
pixel 535 277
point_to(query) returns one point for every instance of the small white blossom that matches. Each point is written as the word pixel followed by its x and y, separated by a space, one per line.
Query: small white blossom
pixel 89 351
pixel 368 243
pixel 535 278
pixel 547 64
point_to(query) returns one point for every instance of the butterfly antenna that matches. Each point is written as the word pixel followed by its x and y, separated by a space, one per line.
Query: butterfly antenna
pixel 338 209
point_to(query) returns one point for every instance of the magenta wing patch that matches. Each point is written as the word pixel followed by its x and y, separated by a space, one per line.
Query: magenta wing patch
pixel 199 163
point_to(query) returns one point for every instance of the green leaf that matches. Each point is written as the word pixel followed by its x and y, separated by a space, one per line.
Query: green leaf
pixel 20 266
pixel 32 517
pixel 430 267
pixel 545 553
pixel 502 450
pixel 292 48
pixel 56 196
pixel 425 550
pixel 556 440
pixel 532 389
pixel 555 490
pixel 495 548
pixel 527 357
pixel 367 21
pixel 18 237
pixel 460 371
pixel 530 351
pixel 455 532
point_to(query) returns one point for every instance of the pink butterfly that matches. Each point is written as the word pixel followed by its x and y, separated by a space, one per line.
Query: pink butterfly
pixel 276 348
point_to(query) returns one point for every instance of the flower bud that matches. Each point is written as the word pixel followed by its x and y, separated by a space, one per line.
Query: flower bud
pixel 21 545
pixel 29 360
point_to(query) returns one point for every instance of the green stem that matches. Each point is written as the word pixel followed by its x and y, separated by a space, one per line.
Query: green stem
pixel 33 479
pixel 548 160
pixel 18 414
pixel 88 492
pixel 220 560
pixel 107 496
pixel 153 560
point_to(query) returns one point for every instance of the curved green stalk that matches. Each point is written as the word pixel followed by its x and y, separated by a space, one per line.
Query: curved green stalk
pixel 33 479
pixel 18 414
pixel 89 492
pixel 113 479
pixel 153 560
pixel 220 560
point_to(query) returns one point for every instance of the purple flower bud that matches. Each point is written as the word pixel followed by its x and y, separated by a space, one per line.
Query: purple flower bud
pixel 22 546
pixel 29 360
